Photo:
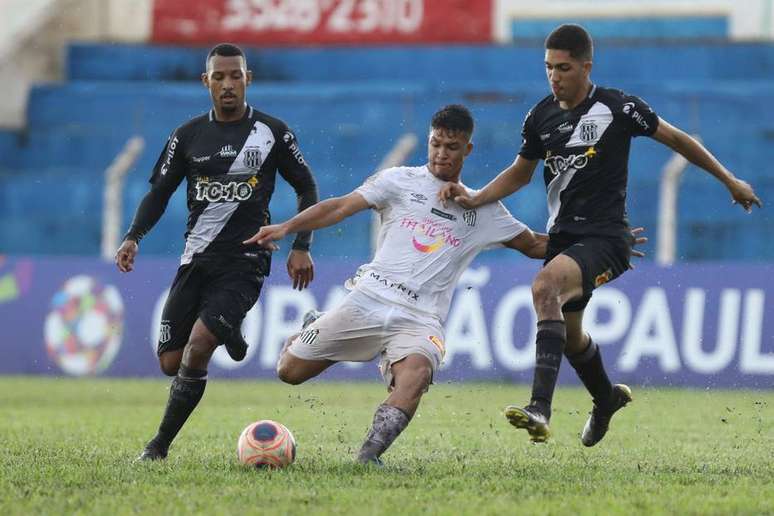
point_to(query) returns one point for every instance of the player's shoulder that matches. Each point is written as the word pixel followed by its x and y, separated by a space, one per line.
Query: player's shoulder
pixel 192 125
pixel 276 124
pixel 544 105
pixel 612 96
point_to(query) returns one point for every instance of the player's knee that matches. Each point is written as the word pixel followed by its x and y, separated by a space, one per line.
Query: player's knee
pixel 543 290
pixel 169 364
pixel 288 375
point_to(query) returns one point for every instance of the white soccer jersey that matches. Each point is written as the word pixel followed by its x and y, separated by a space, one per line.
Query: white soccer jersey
pixel 424 247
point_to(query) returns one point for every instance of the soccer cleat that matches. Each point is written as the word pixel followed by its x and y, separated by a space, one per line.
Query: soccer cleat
pixel 310 317
pixel 529 418
pixel 236 346
pixel 370 460
pixel 599 421
pixel 152 452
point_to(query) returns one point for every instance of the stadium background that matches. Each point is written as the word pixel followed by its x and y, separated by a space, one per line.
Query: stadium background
pixel 81 78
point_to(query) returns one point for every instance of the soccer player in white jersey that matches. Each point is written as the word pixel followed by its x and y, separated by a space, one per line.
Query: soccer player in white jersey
pixel 398 306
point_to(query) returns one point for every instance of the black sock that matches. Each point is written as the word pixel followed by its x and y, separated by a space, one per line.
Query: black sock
pixel 388 423
pixel 591 371
pixel 551 337
pixel 184 394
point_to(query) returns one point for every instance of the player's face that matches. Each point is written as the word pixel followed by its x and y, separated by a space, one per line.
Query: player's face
pixel 568 77
pixel 446 151
pixel 227 78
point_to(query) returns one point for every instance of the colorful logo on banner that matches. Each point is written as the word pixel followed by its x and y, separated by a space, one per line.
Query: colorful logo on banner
pixel 14 281
pixel 83 330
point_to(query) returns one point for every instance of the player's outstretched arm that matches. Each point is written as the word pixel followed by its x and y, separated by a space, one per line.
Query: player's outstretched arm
pixel 535 245
pixel 529 243
pixel 507 182
pixel 681 142
pixel 321 215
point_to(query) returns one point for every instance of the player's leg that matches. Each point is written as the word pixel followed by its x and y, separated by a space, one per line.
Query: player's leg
pixel 585 357
pixel 181 310
pixel 186 390
pixel 413 351
pixel 411 378
pixel 558 282
pixel 345 333
pixel 294 370
pixel 609 260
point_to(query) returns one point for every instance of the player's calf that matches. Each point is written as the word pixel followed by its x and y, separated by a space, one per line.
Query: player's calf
pixel 411 378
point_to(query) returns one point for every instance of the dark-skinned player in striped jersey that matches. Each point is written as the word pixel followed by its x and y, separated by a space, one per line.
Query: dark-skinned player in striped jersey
pixel 583 133
pixel 230 157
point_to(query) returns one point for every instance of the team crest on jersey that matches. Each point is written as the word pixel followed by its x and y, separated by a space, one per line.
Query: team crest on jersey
pixel 253 158
pixel 165 333
pixel 588 131
pixel 469 216
pixel 309 336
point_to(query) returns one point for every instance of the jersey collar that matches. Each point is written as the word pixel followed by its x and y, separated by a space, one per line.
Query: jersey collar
pixel 248 113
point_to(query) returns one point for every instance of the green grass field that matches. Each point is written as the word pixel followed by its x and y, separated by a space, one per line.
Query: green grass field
pixel 68 446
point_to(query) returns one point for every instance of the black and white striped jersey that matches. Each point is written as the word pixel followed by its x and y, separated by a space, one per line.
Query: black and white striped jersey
pixel 230 168
pixel 586 157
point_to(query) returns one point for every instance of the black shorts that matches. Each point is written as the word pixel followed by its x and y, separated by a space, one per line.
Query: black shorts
pixel 218 290
pixel 601 259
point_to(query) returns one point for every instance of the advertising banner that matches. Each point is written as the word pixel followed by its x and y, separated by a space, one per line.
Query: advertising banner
pixel 305 22
pixel 688 325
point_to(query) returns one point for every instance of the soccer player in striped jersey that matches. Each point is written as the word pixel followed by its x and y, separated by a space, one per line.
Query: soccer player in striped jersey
pixel 582 132
pixel 229 158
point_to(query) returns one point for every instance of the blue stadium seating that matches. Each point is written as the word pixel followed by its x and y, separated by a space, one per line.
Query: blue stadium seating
pixel 349 106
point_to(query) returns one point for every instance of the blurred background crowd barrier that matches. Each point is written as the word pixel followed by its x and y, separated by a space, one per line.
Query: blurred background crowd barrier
pixel 92 85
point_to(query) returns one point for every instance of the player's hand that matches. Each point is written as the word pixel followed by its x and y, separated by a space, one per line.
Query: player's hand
pixel 267 235
pixel 743 194
pixel 638 240
pixel 125 255
pixel 458 194
pixel 300 268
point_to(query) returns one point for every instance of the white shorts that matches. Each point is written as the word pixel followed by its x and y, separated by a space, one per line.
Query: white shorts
pixel 362 328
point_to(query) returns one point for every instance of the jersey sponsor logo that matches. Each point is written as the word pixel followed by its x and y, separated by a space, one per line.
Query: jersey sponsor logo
pixel 418 197
pixel 400 287
pixel 447 216
pixel 544 137
pixel 253 158
pixel 560 164
pixel 588 131
pixel 228 151
pixel 603 278
pixel 438 343
pixel 630 109
pixel 290 140
pixel 565 127
pixel 200 159
pixel 214 191
pixel 170 154
pixel 428 236
pixel 469 216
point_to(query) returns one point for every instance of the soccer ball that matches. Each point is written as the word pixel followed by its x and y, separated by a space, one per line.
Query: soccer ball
pixel 266 443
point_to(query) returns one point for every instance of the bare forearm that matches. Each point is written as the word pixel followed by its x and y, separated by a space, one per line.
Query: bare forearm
pixel 697 154
pixel 321 215
pixel 506 183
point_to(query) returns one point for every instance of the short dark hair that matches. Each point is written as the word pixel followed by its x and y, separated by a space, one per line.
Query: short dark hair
pixel 572 38
pixel 453 118
pixel 225 50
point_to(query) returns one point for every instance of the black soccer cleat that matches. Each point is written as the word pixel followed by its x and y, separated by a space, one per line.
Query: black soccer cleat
pixel 599 421
pixel 370 460
pixel 531 419
pixel 152 452
pixel 236 347
pixel 310 317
